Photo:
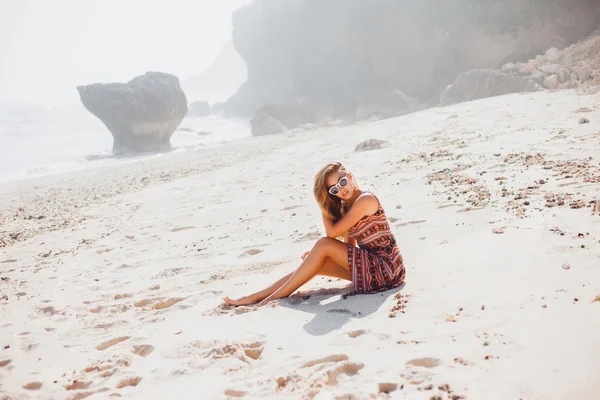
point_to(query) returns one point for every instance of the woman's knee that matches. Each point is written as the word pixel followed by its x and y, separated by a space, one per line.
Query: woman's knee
pixel 323 244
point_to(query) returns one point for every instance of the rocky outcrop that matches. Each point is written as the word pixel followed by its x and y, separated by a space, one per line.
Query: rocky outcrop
pixel 573 67
pixel 341 54
pixel 141 114
pixel 482 83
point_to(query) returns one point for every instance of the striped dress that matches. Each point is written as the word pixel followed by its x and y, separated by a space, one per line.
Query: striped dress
pixel 376 263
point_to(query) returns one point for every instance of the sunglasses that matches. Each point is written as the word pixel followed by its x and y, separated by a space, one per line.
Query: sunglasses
pixel 335 189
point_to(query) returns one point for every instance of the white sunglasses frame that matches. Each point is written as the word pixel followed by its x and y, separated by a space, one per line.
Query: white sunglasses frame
pixel 338 186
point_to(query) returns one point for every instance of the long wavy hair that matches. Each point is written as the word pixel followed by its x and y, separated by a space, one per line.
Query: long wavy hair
pixel 332 206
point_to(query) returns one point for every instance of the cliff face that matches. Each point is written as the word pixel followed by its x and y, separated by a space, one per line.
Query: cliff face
pixel 339 54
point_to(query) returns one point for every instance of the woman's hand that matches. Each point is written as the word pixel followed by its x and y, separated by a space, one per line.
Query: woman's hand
pixel 305 255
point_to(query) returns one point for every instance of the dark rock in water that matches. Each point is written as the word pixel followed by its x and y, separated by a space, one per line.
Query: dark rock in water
pixel 199 109
pixel 481 83
pixel 141 114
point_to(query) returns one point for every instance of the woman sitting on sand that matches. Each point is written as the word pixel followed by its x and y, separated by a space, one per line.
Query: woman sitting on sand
pixel 375 265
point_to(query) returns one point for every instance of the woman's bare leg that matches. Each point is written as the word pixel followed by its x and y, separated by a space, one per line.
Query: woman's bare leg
pixel 324 249
pixel 328 268
pixel 258 296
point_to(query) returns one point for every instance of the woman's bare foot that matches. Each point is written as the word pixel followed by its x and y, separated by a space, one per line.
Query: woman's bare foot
pixel 242 301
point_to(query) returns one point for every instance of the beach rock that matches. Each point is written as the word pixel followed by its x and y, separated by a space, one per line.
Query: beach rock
pixel 584 72
pixel 141 114
pixel 551 82
pixel 540 60
pixel 528 69
pixel 584 120
pixel 537 75
pixel 481 83
pixel 509 67
pixel 371 144
pixel 552 54
pixel 199 109
pixel 551 68
pixel 264 124
pixel 562 75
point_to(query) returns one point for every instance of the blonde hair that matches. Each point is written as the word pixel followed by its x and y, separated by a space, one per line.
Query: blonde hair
pixel 332 206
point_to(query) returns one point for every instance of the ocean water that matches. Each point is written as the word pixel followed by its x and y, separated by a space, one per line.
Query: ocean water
pixel 38 140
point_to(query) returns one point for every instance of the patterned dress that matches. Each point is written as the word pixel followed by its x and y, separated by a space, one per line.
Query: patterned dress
pixel 376 264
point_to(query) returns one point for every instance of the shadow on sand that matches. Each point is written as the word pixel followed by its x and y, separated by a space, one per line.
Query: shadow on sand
pixel 333 315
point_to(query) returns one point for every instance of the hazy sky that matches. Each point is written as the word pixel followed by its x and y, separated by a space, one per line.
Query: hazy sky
pixel 47 47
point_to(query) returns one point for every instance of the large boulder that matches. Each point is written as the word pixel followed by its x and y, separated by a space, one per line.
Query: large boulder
pixel 141 114
pixel 478 84
pixel 338 53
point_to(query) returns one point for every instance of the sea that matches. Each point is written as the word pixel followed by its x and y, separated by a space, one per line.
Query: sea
pixel 44 140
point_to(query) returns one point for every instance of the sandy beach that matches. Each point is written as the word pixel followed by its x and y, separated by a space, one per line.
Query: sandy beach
pixel 112 279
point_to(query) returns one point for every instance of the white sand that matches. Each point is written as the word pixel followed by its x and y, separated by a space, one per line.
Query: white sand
pixel 499 315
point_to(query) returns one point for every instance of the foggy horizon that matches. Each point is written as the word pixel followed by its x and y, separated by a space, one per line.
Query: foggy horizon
pixel 50 48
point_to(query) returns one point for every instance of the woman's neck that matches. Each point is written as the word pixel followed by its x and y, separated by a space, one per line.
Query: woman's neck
pixel 355 195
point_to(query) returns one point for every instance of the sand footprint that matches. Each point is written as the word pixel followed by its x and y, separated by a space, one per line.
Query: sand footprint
pixel 33 386
pixel 181 228
pixel 143 350
pixel 158 303
pixel 47 311
pixel 357 333
pixel 78 385
pixel 234 393
pixel 251 252
pixel 308 236
pixel 112 342
pixel 349 368
pixel 329 359
pixel 131 381
pixel 387 387
pixel 426 362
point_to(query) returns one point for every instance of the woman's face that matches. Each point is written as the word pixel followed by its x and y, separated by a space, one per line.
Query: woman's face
pixel 340 184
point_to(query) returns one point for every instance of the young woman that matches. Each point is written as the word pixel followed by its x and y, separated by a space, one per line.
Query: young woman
pixel 349 212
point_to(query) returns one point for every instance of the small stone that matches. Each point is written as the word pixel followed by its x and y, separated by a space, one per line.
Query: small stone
pixel 570 85
pixel 562 75
pixel 528 69
pixel 509 67
pixel 372 144
pixel 551 82
pixel 552 55
pixel 540 59
pixel 551 68
pixel 566 267
pixel 584 120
